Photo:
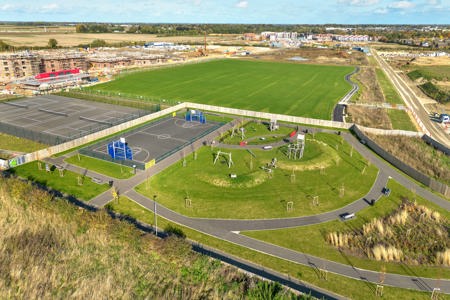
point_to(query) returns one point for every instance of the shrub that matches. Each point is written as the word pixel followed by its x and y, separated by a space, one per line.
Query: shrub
pixel 173 230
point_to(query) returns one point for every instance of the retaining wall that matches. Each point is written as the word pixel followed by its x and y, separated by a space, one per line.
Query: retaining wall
pixel 391 132
pixel 430 141
pixel 268 116
pixel 422 178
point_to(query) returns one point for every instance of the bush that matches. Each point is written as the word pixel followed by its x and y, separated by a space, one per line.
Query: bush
pixel 173 230
pixel 434 92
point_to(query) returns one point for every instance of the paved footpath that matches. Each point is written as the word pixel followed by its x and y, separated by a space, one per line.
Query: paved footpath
pixel 227 229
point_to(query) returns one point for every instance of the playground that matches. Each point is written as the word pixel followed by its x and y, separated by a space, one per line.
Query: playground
pixel 153 141
pixel 231 181
pixel 54 119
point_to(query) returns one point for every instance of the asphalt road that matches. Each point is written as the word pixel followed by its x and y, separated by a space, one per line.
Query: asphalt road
pixel 409 97
pixel 226 229
pixel 338 112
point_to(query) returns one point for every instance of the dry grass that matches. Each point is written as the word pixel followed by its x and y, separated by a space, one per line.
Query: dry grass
pixel 370 90
pixel 369 117
pixel 412 234
pixel 40 39
pixel 432 162
pixel 51 249
pixel 317 56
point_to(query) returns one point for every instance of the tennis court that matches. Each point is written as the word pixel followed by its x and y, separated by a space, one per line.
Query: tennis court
pixel 61 117
pixel 156 140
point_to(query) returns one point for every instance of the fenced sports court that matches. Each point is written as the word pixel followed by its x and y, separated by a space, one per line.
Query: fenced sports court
pixel 53 119
pixel 154 141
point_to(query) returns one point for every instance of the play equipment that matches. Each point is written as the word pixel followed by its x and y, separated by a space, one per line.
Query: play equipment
pixel 195 116
pixel 230 160
pixel 120 150
pixel 242 129
pixel 296 149
pixel 273 125
pixel 273 163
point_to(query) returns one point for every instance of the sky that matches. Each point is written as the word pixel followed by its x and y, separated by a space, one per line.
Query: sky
pixel 230 11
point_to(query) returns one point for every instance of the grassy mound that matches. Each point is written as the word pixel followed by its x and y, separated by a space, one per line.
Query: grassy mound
pixel 413 234
pixel 51 249
pixel 328 164
pixel 285 88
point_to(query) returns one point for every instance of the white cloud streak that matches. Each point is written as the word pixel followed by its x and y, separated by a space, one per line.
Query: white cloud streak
pixel 401 5
pixel 242 4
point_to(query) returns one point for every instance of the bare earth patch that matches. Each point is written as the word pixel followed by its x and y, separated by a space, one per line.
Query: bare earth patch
pixel 369 117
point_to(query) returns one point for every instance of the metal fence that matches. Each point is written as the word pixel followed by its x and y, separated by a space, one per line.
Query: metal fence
pixel 175 150
pixel 130 163
pixel 54 139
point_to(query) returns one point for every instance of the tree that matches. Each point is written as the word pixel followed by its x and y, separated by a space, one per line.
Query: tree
pixel 4 46
pixel 81 28
pixel 98 43
pixel 52 43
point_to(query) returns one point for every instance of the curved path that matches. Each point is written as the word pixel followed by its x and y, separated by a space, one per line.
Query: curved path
pixel 338 112
pixel 223 229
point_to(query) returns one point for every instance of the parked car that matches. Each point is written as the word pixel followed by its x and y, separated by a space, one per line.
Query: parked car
pixel 386 191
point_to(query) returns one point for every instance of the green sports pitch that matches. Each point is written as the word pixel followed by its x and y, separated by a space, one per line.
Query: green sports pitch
pixel 284 88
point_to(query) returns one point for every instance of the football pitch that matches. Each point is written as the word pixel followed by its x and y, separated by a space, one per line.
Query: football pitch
pixel 284 88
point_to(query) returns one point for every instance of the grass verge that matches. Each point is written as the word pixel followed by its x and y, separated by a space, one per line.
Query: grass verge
pixel 401 120
pixel 390 93
pixel 100 166
pixel 67 184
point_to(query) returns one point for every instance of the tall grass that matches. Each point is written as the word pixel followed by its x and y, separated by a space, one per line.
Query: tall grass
pixel 412 234
pixel 432 162
pixel 51 249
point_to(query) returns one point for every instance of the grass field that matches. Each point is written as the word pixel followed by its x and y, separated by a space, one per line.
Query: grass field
pixel 67 184
pixel 293 89
pixel 401 120
pixel 101 166
pixel 440 73
pixel 311 239
pixel 354 289
pixel 390 93
pixel 257 194
pixel 13 143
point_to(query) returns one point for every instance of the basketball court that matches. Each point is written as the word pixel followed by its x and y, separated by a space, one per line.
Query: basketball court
pixel 157 140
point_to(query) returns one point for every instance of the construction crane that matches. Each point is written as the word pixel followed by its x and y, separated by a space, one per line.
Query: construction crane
pixel 202 51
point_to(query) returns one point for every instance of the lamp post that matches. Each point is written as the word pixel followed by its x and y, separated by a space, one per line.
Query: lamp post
pixel 134 168
pixel 156 218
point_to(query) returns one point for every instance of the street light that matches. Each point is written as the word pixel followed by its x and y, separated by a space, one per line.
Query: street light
pixel 156 219
pixel 134 167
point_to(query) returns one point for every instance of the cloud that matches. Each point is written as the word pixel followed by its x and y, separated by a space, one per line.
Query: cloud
pixel 381 11
pixel 242 4
pixel 401 5
pixel 6 7
pixel 49 7
pixel 359 2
